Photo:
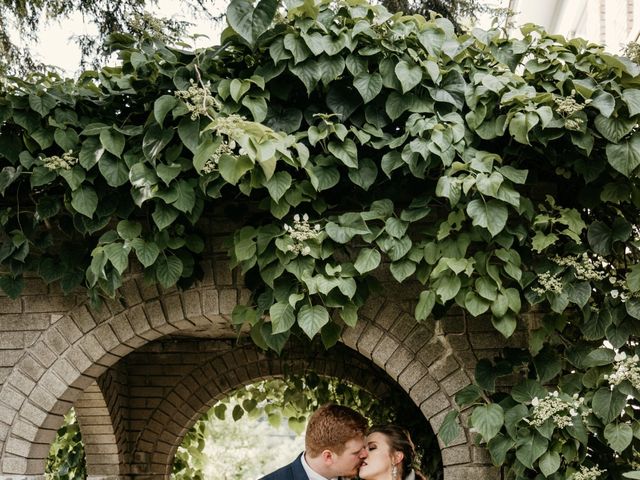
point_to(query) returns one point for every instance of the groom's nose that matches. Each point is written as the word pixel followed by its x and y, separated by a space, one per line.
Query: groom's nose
pixel 364 452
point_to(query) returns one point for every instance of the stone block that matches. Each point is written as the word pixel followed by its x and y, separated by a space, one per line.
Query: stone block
pixel 8 358
pixel 222 273
pixel 173 309
pixel 443 367
pixel 456 455
pixel 228 300
pixel 83 319
pixel 403 326
pixel 104 334
pixel 476 472
pixel 11 340
pixel 140 324
pixel 48 303
pixel 68 329
pixel 156 316
pixel 455 382
pixel 53 384
pixel 55 341
pixel 92 348
pixel 419 337
pixel 383 350
pixel 43 354
pixel 21 382
pixel 431 352
pixel 435 404
pixel 122 328
pixel 9 305
pixel 400 360
pixel 411 376
pixel 31 367
pixel 424 389
pixel 388 315
pixel 12 397
pixel 131 293
pixel 28 321
pixel 192 304
pixel 369 339
pixel 371 308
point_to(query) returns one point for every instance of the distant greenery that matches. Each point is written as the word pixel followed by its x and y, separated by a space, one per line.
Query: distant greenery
pixel 66 460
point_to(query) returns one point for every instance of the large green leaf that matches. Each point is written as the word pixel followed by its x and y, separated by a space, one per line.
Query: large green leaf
pixel 368 259
pixel 162 106
pixel 346 151
pixel 607 404
pixel 409 75
pixel 146 252
pixel 250 22
pixel 491 214
pixel 112 141
pixel 618 436
pixel 426 302
pixel 312 318
pixel 282 317
pixel 530 447
pixel 614 128
pixel 232 168
pixel 42 102
pixel 450 429
pixel 631 97
pixel 549 463
pixel 625 156
pixel 168 270
pixel 84 200
pixel 488 420
pixel 114 170
pixel 368 85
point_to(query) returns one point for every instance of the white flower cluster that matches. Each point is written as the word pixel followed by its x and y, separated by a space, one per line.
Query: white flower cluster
pixel 212 163
pixel 57 163
pixel 548 283
pixel 620 288
pixel 300 233
pixel 560 409
pixel 567 107
pixel 229 125
pixel 584 267
pixel 632 52
pixel 625 368
pixel 197 99
pixel 587 473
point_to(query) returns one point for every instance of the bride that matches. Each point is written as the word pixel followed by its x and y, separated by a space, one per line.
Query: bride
pixel 390 455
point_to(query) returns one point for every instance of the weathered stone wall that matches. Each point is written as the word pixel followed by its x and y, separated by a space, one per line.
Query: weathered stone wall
pixel 137 391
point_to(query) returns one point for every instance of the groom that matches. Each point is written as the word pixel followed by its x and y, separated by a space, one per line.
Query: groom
pixel 334 446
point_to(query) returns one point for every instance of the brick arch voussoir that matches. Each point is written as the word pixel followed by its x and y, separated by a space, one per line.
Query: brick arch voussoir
pixel 216 378
pixel 82 345
pixel 419 357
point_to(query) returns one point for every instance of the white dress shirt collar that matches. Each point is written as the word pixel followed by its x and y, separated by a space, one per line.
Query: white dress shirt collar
pixel 311 473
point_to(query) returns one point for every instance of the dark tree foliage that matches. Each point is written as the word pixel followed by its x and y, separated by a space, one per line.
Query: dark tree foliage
pixel 454 10
pixel 25 17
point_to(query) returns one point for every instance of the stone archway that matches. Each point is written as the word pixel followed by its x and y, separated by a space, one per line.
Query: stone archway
pixel 429 361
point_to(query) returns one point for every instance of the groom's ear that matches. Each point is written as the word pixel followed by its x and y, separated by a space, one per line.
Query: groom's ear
pixel 327 457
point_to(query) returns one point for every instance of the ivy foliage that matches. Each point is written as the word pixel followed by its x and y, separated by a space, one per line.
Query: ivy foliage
pixel 498 173
pixel 66 459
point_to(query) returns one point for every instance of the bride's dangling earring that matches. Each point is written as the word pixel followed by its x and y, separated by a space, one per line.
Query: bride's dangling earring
pixel 394 472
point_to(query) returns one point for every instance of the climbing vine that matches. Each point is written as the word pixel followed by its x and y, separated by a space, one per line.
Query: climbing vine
pixel 498 173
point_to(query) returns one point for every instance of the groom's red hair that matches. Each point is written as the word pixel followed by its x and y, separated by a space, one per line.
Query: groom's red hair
pixel 331 427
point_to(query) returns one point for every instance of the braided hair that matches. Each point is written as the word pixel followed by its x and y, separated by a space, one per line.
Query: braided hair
pixel 399 440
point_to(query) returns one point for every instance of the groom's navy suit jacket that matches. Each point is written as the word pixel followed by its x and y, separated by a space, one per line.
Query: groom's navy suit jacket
pixel 293 471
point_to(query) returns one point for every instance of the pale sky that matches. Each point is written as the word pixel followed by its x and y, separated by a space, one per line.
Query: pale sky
pixel 56 47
